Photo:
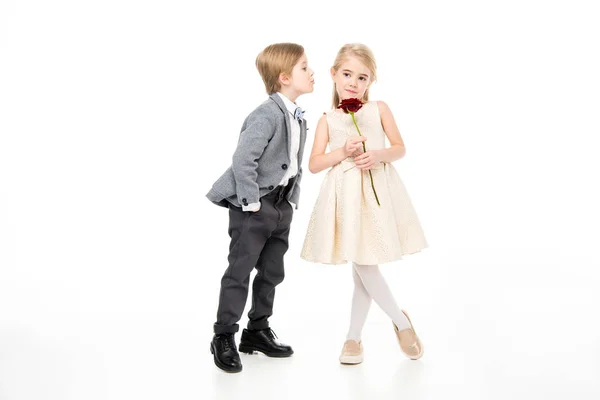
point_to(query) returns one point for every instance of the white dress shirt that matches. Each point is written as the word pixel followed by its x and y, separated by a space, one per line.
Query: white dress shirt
pixel 292 169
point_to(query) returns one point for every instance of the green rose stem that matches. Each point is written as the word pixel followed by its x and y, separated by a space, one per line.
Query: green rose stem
pixel 365 150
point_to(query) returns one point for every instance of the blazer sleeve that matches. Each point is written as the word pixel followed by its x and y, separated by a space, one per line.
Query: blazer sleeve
pixel 258 131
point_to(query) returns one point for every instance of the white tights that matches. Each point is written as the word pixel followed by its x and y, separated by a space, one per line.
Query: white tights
pixel 370 284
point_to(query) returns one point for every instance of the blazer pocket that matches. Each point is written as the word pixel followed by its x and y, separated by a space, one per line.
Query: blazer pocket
pixel 225 184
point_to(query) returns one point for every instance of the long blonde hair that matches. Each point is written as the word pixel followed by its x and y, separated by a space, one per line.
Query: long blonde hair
pixel 365 55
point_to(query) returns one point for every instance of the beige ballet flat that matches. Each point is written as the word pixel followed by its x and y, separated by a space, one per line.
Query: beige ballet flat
pixel 352 352
pixel 409 341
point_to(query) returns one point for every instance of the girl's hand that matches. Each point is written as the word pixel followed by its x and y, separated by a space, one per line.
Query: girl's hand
pixel 368 160
pixel 353 143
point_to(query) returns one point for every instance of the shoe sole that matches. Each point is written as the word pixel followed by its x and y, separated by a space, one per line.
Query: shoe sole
pixel 221 366
pixel 248 349
pixel 351 360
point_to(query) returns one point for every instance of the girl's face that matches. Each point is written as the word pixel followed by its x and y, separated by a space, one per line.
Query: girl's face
pixel 352 79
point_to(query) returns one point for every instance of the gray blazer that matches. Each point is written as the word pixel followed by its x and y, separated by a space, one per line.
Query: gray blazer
pixel 261 157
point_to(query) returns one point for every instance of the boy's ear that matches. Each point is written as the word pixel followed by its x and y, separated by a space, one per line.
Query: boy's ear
pixel 284 79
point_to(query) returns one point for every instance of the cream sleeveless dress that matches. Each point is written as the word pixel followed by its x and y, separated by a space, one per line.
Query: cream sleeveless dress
pixel 346 223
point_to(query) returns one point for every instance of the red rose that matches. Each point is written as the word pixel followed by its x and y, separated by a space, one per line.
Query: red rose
pixel 350 105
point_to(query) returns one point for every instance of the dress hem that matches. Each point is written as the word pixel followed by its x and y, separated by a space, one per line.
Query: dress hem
pixel 370 262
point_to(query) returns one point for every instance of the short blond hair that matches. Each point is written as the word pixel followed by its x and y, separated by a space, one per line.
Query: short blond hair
pixel 364 55
pixel 276 59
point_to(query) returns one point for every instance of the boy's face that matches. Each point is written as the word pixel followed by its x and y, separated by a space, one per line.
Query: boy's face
pixel 302 80
pixel 352 79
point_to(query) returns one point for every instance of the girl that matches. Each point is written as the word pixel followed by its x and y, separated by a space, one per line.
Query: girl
pixel 363 213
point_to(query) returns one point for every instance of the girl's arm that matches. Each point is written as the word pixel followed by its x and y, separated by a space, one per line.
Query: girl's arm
pixel 396 149
pixel 318 159
pixel 392 153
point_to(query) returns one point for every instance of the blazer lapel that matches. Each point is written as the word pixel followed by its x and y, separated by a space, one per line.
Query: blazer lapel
pixel 302 142
pixel 275 97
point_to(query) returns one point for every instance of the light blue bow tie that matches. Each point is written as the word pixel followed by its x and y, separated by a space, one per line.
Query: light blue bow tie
pixel 299 114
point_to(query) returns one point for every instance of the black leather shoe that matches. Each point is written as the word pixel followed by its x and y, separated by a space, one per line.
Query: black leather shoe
pixel 265 341
pixel 225 353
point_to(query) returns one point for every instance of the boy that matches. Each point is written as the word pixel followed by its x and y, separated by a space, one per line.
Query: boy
pixel 261 188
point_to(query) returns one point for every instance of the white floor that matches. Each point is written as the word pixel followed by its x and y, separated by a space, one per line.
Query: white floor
pixel 492 330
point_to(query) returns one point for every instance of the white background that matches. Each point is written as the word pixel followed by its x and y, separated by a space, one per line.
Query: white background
pixel 117 116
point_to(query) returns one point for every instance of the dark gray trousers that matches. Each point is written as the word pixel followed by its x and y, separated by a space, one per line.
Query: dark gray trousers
pixel 258 240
